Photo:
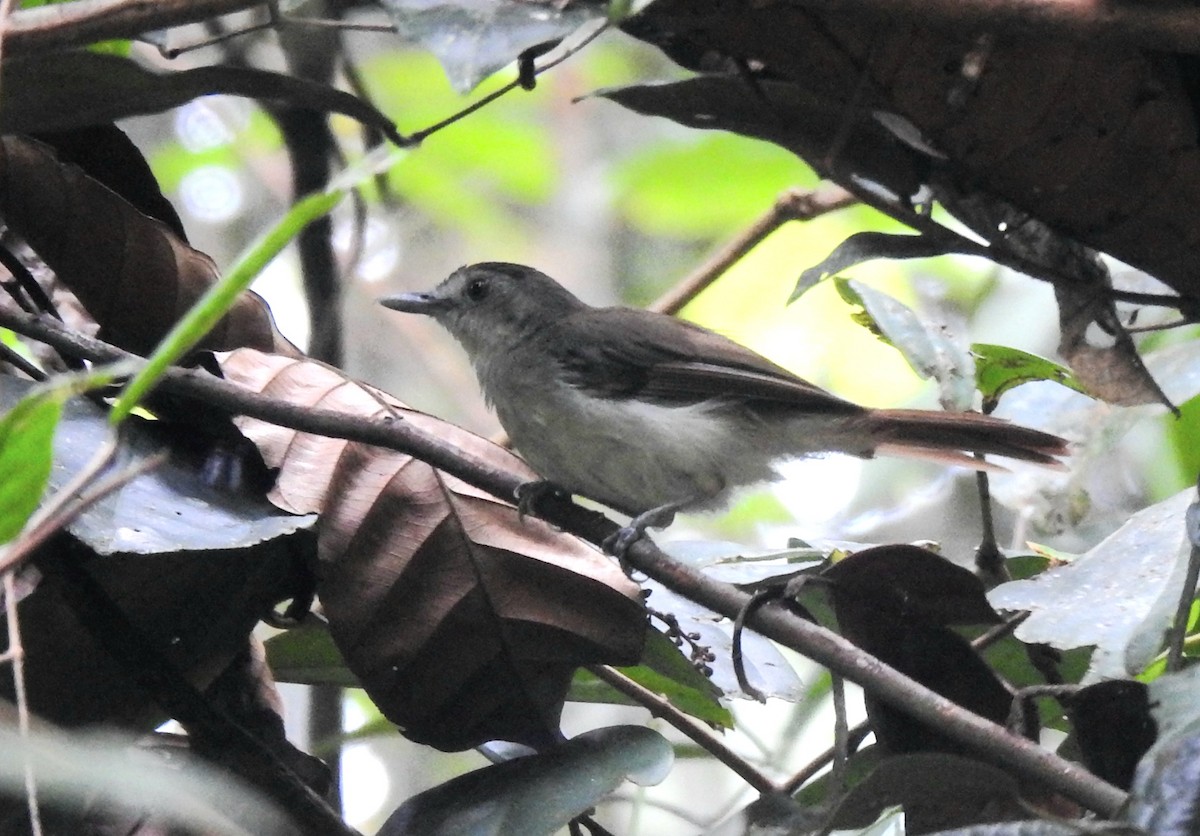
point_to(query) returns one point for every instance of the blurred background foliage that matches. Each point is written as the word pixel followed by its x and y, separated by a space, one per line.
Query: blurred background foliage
pixel 620 208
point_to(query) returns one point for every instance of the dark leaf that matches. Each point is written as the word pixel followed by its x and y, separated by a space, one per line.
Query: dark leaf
pixel 193 565
pixel 790 116
pixel 134 275
pixel 463 622
pixel 1113 728
pixel 538 794
pixel 867 246
pixel 892 601
pixel 922 584
pixel 108 156
pixel 935 790
pixel 51 91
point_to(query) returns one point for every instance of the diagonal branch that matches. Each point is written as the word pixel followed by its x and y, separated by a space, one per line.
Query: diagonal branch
pixel 991 741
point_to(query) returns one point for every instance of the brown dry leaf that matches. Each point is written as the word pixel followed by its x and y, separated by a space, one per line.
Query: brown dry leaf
pixel 134 275
pixel 1114 373
pixel 463 621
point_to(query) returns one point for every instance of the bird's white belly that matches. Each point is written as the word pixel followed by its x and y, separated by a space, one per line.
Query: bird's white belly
pixel 632 455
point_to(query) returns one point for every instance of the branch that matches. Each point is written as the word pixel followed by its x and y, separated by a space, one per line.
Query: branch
pixel 699 734
pixel 991 741
pixel 66 25
pixel 792 205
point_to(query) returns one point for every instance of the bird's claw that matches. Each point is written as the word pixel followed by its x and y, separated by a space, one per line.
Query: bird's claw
pixel 618 543
pixel 529 494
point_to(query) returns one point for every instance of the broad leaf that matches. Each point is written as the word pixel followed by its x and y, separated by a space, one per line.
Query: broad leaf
pixel 133 274
pixel 474 38
pixel 538 794
pixel 999 368
pixel 46 91
pixel 1119 596
pixel 463 621
pixel 119 774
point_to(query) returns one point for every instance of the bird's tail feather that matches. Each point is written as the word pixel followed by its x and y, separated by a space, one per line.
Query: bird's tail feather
pixel 951 438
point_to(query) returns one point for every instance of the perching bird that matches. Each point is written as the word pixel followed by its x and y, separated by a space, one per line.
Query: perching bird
pixel 650 415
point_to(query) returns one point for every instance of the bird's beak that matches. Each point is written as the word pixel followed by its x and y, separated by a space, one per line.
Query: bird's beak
pixel 418 303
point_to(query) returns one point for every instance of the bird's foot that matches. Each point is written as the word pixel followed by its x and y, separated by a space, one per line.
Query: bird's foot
pixel 530 494
pixel 618 544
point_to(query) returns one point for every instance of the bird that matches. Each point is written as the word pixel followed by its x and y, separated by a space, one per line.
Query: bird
pixel 650 414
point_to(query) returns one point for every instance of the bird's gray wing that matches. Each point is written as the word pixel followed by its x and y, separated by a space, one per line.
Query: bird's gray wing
pixel 625 353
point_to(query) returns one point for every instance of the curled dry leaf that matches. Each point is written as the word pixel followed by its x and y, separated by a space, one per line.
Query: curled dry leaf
pixel 463 622
pixel 1114 373
pixel 134 275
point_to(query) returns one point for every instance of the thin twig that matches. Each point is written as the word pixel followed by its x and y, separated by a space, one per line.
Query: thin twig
pixel 421 135
pixel 16 656
pixel 792 205
pixel 989 561
pixel 1187 593
pixel 841 738
pixel 701 735
pixel 853 738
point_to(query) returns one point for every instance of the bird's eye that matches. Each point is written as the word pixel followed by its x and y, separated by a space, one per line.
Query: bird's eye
pixel 477 289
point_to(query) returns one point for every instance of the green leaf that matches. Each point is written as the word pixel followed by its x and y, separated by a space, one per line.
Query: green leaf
pixel 26 454
pixel 928 348
pixel 27 442
pixel 308 656
pixel 999 368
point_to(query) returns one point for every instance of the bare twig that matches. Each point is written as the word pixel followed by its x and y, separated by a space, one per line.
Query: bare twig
pixel 1187 593
pixel 421 135
pixel 701 735
pixel 841 737
pixel 821 645
pixel 792 205
pixel 15 655
pixel 853 738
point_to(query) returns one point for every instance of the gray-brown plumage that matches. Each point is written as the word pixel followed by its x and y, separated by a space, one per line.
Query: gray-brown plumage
pixel 650 414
